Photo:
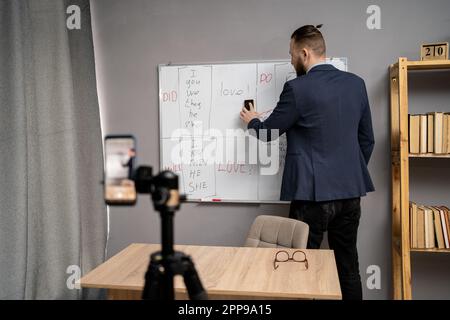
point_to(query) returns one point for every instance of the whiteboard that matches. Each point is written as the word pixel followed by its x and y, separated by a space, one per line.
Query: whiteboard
pixel 202 138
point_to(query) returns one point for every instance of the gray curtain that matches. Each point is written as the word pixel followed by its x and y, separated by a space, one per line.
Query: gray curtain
pixel 52 216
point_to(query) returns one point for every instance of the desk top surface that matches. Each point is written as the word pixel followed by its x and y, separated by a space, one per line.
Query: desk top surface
pixel 229 271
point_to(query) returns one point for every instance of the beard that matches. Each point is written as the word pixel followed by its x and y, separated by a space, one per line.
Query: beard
pixel 299 68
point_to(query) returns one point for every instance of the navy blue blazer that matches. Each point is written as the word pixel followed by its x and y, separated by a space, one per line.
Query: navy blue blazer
pixel 327 120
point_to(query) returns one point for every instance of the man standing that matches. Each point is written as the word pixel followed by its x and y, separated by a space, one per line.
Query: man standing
pixel 326 116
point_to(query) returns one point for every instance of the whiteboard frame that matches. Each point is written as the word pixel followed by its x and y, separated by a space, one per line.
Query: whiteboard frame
pixel 170 64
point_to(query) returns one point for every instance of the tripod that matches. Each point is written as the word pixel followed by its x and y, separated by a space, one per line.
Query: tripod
pixel 167 263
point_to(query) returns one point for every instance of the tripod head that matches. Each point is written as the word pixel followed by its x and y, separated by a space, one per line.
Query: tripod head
pixel 163 188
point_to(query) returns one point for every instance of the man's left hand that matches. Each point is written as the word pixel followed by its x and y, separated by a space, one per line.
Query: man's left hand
pixel 248 115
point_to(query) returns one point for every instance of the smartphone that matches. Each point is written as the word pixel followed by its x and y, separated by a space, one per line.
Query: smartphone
pixel 247 103
pixel 120 155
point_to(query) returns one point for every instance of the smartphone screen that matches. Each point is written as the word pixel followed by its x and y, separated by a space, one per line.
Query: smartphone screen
pixel 120 154
pixel 247 103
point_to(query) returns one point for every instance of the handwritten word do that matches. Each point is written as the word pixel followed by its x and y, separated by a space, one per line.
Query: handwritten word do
pixel 265 77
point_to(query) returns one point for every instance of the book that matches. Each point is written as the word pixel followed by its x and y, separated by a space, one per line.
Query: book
pixel 420 227
pixel 445 130
pixel 414 133
pixel 447 219
pixel 444 228
pixel 447 116
pixel 429 228
pixel 423 133
pixel 411 231
pixel 413 222
pixel 438 228
pixel 430 134
pixel 438 134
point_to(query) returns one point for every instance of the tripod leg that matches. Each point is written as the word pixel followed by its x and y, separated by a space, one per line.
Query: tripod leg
pixel 168 286
pixel 192 281
pixel 153 282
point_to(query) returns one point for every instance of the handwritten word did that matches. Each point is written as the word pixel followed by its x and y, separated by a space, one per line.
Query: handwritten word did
pixel 171 96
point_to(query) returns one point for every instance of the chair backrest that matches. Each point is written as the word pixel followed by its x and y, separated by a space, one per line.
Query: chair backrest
pixel 275 232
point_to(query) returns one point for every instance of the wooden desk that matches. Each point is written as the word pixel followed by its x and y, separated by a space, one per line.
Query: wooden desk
pixel 225 272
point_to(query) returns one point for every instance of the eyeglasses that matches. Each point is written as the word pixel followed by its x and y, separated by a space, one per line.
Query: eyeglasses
pixel 283 256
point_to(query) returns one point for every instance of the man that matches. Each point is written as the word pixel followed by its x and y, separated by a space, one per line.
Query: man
pixel 326 116
pixel 129 161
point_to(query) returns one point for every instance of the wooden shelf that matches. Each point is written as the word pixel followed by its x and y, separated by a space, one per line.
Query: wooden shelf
pixel 401 251
pixel 434 250
pixel 429 155
pixel 428 65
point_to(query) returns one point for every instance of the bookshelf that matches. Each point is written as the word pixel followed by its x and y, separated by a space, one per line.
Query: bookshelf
pixel 429 155
pixel 431 250
pixel 401 251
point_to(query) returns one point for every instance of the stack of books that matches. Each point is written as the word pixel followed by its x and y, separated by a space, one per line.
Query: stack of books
pixel 429 133
pixel 430 226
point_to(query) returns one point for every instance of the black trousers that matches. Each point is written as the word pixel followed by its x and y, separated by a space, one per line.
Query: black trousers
pixel 341 219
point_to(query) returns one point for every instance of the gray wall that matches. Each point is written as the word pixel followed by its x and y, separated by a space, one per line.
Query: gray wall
pixel 132 37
